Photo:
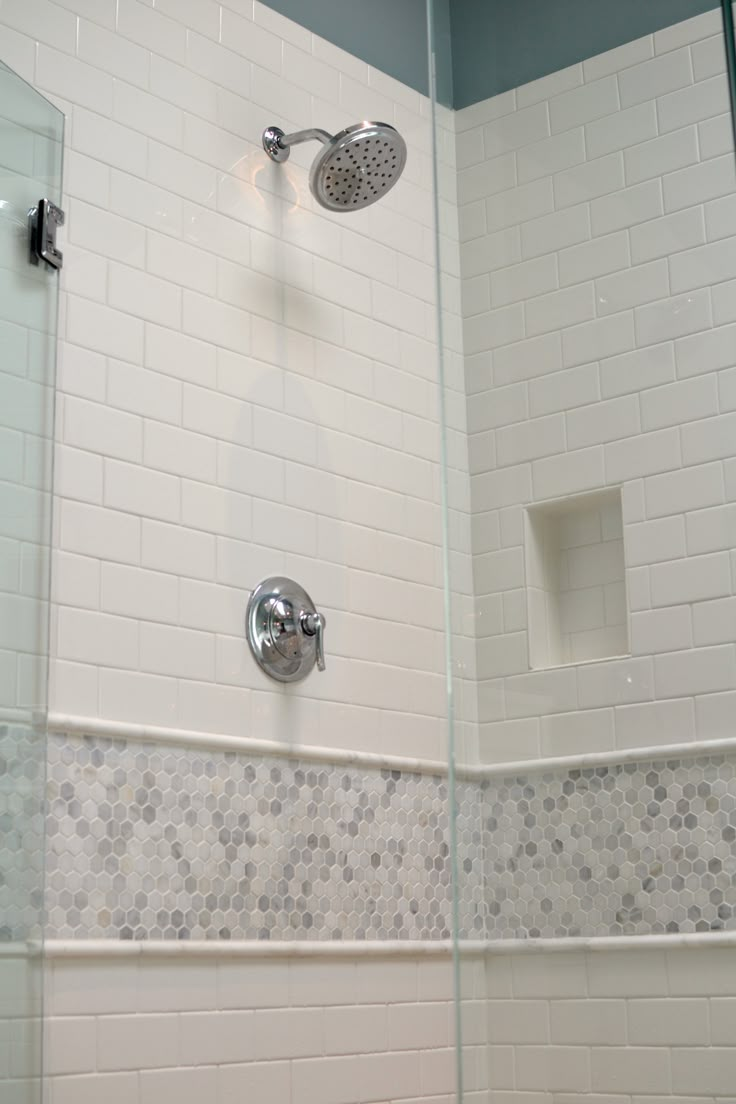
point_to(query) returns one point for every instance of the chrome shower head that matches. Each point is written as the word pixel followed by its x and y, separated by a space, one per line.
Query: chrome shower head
pixel 353 169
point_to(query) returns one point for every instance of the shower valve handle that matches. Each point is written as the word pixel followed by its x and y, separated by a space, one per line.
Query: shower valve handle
pixel 313 624
pixel 284 630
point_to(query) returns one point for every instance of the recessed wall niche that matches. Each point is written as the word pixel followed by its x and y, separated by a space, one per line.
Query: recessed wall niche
pixel 575 578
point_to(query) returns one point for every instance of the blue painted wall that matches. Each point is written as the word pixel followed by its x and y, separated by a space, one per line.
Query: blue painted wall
pixel 500 44
pixel 494 44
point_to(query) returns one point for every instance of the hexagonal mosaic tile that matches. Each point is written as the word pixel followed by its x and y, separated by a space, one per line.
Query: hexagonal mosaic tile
pixel 22 765
pixel 631 849
pixel 162 843
pixel 153 843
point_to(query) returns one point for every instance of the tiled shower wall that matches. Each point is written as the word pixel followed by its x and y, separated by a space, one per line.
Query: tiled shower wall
pixel 248 383
pixel 597 220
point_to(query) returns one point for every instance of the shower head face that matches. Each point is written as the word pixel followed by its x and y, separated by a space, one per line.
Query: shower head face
pixel 358 166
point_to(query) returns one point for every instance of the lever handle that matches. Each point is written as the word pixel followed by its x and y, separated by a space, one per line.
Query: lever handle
pixel 313 624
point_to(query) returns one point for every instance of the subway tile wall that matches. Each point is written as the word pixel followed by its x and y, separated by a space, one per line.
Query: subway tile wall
pixel 300 1031
pixel 597 225
pixel 248 384
pixel 616 1026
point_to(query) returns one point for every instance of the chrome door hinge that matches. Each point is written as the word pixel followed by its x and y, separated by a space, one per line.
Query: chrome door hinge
pixel 43 222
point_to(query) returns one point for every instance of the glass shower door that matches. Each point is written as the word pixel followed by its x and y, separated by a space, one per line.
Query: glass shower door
pixel 31 141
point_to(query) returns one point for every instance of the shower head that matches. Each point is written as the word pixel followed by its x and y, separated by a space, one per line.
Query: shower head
pixel 353 169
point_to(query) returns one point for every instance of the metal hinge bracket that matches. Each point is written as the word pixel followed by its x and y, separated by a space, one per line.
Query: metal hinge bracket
pixel 43 222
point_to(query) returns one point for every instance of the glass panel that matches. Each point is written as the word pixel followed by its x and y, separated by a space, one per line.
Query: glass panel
pixel 595 246
pixel 31 136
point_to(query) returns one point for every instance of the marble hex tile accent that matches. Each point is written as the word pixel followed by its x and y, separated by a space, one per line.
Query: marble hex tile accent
pixel 628 849
pixel 22 765
pixel 163 843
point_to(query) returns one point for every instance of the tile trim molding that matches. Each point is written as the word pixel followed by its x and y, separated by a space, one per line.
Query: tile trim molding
pixel 110 948
pixel 72 724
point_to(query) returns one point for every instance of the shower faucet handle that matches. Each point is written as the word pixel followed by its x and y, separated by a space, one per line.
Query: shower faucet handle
pixel 284 630
pixel 313 624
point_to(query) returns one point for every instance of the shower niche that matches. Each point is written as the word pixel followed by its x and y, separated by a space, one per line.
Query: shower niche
pixel 576 581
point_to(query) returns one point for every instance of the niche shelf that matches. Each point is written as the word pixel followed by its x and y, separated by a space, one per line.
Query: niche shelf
pixel 576 581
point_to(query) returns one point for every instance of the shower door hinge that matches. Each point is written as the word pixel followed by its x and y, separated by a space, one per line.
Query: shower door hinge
pixel 43 222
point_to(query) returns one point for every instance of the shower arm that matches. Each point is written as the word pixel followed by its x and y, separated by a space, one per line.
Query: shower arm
pixel 278 145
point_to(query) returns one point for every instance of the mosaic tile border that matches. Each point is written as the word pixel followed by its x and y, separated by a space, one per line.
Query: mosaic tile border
pixel 160 843
pixel 642 848
pixel 22 766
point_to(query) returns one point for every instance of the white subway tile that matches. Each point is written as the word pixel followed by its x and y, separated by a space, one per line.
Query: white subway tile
pixel 700 671
pixel 691 105
pixel 688 31
pixel 714 622
pixel 602 422
pixel 660 630
pixel 714 713
pixel 137 1042
pixel 577 734
pixel 715 136
pixel 588 181
pixel 560 1069
pixel 258 1080
pixel 111 53
pixel 133 592
pixel 669 235
pixel 527 359
pixel 665 722
pixel 646 454
pixel 554 232
pixel 621 131
pixel 139 698
pixel 603 337
pixel 626 207
pixel 709 439
pixel 677 403
pixel 699 183
pixel 708 264
pixel 594 258
pixel 488 176
pixel 72 79
pixel 622 57
pixel 720 218
pixel 560 391
pixel 92 637
pixel 687 489
pixel 174 549
pixel 661 155
pixel 509 132
pixel 581 105
pixel 588 1022
pixel 705 352
pixel 568 473
pixel 103 330
pixel 672 318
pixel 105 534
pixel 100 231
pixel 632 288
pixel 711 530
pixel 629 1069
pixel 497 327
pixel 616 682
pixel 558 309
pixel 138 490
pixel 519 204
pixel 181 653
pixel 561 151
pixel 655 77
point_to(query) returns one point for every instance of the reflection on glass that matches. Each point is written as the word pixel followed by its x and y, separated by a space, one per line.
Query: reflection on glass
pixel 31 133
